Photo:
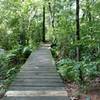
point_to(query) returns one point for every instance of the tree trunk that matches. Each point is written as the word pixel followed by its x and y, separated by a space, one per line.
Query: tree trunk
pixel 78 38
pixel 77 29
pixel 43 38
pixel 52 14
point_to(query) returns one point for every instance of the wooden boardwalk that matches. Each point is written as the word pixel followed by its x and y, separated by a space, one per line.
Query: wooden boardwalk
pixel 38 79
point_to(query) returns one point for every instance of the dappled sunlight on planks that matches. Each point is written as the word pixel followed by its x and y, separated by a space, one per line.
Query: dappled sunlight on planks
pixel 35 93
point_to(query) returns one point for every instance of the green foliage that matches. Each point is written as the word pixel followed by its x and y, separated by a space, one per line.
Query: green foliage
pixel 54 52
pixel 26 52
pixel 21 29
pixel 3 66
pixel 11 71
pixel 64 41
pixel 19 55
pixel 20 23
pixel 70 70
pixel 15 56
pixel 10 64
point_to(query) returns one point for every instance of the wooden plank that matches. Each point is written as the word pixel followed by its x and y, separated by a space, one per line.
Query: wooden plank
pixel 38 98
pixel 37 76
pixel 39 85
pixel 38 80
pixel 43 88
pixel 22 71
pixel 36 93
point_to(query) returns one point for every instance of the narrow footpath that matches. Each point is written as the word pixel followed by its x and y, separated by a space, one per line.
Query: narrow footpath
pixel 38 79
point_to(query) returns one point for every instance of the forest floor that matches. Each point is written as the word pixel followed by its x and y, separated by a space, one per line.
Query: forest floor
pixel 92 94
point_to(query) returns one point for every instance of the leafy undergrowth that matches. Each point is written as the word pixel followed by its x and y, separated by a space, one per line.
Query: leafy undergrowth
pixel 76 87
pixel 10 64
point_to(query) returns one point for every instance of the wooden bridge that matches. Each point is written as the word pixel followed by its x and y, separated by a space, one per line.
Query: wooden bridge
pixel 38 79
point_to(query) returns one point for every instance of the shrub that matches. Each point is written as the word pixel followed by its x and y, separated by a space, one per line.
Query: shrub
pixel 26 52
pixel 3 67
pixel 16 56
pixel 12 58
pixel 70 70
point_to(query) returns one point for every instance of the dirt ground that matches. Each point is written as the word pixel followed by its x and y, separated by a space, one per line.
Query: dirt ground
pixel 73 92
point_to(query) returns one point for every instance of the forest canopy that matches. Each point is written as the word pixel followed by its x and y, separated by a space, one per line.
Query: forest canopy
pixel 72 27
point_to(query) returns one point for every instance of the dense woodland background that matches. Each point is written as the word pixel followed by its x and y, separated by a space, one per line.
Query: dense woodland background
pixel 71 26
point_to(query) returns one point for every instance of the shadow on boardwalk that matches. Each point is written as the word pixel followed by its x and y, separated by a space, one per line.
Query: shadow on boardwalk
pixel 38 79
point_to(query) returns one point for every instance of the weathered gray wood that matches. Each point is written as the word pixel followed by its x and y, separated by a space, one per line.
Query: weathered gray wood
pixel 19 88
pixel 38 79
pixel 37 73
pixel 38 98
pixel 48 84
